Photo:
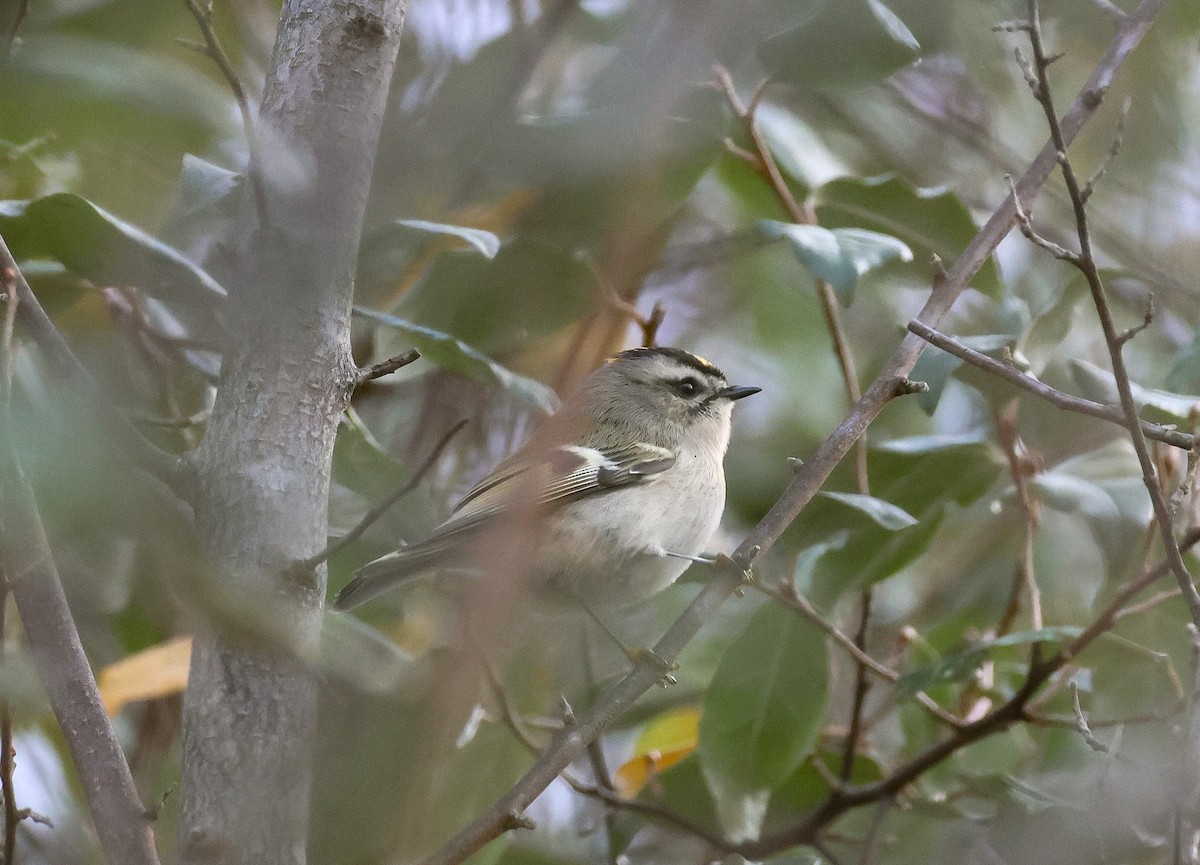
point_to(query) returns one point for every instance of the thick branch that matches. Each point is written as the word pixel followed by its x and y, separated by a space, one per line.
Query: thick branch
pixel 571 743
pixel 1055 397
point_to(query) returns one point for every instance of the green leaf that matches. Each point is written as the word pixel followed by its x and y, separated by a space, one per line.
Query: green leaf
pixel 97 245
pixel 843 45
pixel 839 256
pixel 456 356
pixel 353 652
pixel 885 514
pixel 1184 376
pixel 920 476
pixel 959 666
pixel 203 185
pixel 1099 384
pixel 527 290
pixel 797 149
pixel 930 221
pixel 1070 494
pixel 766 705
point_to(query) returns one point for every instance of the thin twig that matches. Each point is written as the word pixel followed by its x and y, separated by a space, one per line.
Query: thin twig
pixel 730 572
pixel 647 324
pixel 380 509
pixel 217 53
pixel 1010 439
pixel 1081 723
pixel 806 215
pixel 386 367
pixel 1055 397
pixel 861 686
pixel 1113 149
pixel 881 812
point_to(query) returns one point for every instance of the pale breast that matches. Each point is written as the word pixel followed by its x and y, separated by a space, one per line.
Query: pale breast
pixel 605 549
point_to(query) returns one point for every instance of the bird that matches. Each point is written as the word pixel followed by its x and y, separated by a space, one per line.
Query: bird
pixel 620 490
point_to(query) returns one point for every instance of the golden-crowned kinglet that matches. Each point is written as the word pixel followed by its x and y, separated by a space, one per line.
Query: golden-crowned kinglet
pixel 623 486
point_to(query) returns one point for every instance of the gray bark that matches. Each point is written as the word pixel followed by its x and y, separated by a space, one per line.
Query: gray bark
pixel 263 467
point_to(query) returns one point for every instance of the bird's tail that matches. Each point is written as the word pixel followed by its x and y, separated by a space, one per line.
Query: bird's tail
pixel 382 575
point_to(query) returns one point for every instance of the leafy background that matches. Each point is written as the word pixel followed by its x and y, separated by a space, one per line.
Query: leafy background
pixel 540 157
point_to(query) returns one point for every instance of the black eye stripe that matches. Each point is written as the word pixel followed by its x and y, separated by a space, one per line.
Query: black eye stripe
pixel 687 386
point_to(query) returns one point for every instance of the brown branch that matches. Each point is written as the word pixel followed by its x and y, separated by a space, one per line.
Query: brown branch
pixel 386 367
pixel 380 509
pixel 647 324
pixel 168 468
pixel 214 50
pixel 1085 262
pixel 1055 397
pixel 861 686
pixel 731 571
pixel 28 567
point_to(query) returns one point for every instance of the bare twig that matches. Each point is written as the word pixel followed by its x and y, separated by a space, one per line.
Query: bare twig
pixel 217 53
pixel 861 686
pixel 1086 263
pixel 1055 397
pixel 1018 466
pixel 730 572
pixel 806 215
pixel 1059 252
pixel 881 812
pixel 1113 150
pixel 647 324
pixel 380 509
pixel 386 367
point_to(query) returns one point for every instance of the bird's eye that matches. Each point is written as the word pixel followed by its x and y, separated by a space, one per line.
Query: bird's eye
pixel 687 387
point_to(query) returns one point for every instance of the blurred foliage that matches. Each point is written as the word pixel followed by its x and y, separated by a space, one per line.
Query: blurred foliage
pixel 539 159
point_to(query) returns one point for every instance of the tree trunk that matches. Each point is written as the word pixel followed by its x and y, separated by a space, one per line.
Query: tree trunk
pixel 263 467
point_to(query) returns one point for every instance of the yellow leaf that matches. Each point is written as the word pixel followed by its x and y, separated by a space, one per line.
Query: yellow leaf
pixel 158 671
pixel 665 741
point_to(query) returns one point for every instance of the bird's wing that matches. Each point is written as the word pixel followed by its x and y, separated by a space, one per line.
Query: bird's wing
pixel 557 476
pixel 541 478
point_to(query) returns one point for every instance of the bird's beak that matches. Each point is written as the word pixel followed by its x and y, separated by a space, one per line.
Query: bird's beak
pixel 737 391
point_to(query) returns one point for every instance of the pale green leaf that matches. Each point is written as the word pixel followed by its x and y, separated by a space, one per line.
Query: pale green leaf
pixel 885 514
pixel 455 356
pixel 841 255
